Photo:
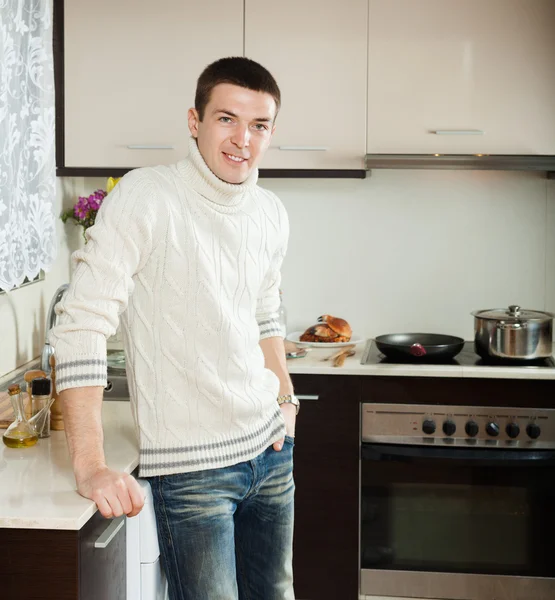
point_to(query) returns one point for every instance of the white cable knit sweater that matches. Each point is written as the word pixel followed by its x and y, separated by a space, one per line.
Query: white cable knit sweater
pixel 191 266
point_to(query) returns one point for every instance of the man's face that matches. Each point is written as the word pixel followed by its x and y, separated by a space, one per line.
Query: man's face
pixel 236 130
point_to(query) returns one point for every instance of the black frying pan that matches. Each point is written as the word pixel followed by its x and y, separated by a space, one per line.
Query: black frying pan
pixel 419 346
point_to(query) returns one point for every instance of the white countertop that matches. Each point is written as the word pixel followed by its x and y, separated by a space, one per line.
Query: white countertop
pixel 314 364
pixel 37 487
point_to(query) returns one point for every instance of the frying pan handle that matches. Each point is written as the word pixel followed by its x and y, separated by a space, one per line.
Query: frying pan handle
pixel 417 350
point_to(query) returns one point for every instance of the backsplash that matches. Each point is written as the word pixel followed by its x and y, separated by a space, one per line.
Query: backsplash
pixel 417 250
pixel 400 251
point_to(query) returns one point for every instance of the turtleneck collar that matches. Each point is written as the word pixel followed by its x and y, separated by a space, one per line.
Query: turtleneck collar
pixel 226 197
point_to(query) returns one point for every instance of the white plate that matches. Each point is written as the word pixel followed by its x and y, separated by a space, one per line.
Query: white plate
pixel 294 337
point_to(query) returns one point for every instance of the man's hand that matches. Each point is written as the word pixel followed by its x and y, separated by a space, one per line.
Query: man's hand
pixel 115 493
pixel 290 415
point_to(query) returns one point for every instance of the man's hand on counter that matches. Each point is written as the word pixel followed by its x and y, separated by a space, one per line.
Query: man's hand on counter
pixel 114 493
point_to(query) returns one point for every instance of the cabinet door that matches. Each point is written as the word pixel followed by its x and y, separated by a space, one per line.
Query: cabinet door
pixel 130 75
pixel 102 559
pixel 316 50
pixel 483 70
pixel 325 549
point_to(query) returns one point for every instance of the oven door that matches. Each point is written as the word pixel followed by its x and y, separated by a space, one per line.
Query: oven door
pixel 457 523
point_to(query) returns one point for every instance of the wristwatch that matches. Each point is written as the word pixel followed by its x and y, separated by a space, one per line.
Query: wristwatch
pixel 289 399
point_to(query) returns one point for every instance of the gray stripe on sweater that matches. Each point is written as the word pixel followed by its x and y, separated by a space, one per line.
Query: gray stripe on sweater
pixel 213 459
pixel 213 446
pixel 87 362
pixel 267 321
pixel 86 377
pixel 274 330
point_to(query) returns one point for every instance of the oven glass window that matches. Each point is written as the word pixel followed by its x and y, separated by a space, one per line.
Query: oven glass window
pixel 453 517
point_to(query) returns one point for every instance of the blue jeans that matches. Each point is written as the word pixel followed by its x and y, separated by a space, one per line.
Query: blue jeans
pixel 227 534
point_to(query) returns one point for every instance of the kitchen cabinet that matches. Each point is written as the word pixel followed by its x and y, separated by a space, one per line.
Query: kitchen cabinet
pixel 325 549
pixel 130 73
pixel 316 50
pixel 45 564
pixel 481 75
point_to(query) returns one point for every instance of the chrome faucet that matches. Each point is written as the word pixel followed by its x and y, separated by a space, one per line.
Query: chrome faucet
pixel 47 349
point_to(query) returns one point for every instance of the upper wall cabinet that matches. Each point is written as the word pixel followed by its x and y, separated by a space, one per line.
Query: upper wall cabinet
pixel 316 50
pixel 130 75
pixel 454 77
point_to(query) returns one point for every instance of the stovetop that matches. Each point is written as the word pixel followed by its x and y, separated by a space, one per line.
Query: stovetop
pixel 466 358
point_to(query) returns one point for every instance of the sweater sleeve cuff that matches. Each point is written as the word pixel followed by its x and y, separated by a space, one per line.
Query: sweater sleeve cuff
pixel 270 328
pixel 86 368
pixel 82 371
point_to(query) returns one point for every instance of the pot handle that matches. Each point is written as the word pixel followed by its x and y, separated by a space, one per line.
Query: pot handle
pixel 503 325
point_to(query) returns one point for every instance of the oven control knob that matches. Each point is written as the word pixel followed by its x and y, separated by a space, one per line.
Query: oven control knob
pixel 492 429
pixel 429 426
pixel 513 430
pixel 533 431
pixel 449 427
pixel 472 428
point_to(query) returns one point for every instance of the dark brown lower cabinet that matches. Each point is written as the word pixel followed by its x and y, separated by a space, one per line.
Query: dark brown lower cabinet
pixel 38 564
pixel 46 564
pixel 325 551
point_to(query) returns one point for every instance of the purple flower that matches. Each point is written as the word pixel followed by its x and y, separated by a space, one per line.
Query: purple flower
pixel 81 208
pixel 85 209
pixel 95 200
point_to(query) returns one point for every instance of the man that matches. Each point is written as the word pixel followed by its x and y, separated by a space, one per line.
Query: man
pixel 188 256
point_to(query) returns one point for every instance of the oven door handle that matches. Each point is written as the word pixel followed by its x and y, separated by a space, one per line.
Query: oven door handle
pixel 492 456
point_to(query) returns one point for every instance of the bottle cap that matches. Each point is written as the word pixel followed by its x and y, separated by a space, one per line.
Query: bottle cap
pixel 40 386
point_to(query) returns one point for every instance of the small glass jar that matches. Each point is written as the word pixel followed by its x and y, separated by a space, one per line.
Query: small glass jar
pixel 41 392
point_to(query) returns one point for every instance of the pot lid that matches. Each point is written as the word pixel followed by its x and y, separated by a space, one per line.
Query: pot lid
pixel 512 314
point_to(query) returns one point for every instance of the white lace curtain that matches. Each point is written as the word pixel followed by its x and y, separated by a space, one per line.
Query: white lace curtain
pixel 27 143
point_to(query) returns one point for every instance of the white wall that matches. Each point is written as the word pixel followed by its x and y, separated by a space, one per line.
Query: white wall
pixel 417 250
pixel 399 251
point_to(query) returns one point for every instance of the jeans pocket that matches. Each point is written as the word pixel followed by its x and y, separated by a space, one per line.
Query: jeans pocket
pixel 290 440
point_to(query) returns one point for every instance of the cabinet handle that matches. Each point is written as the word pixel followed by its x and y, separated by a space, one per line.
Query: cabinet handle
pixel 149 147
pixel 458 132
pixel 110 532
pixel 308 397
pixel 305 148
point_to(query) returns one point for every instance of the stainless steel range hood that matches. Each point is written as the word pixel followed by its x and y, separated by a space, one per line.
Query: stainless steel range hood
pixel 491 162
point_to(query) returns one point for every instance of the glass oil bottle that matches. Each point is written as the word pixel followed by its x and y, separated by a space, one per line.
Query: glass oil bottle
pixel 20 434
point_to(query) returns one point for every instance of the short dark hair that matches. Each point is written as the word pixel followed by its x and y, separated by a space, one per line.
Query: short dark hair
pixel 239 71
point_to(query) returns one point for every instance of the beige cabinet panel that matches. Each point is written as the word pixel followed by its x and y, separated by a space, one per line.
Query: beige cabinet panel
pixel 316 50
pixel 130 75
pixel 461 68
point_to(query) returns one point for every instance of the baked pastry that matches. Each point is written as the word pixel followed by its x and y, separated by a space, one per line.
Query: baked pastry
pixel 328 330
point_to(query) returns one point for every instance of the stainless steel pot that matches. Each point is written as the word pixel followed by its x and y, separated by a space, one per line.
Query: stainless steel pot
pixel 513 333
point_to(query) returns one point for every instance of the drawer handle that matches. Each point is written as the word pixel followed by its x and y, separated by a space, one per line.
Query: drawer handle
pixel 308 397
pixel 458 132
pixel 304 148
pixel 110 532
pixel 149 147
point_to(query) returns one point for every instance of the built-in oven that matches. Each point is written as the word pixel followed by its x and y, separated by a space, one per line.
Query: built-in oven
pixel 457 502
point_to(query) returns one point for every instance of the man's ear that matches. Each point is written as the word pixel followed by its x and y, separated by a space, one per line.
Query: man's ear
pixel 194 121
